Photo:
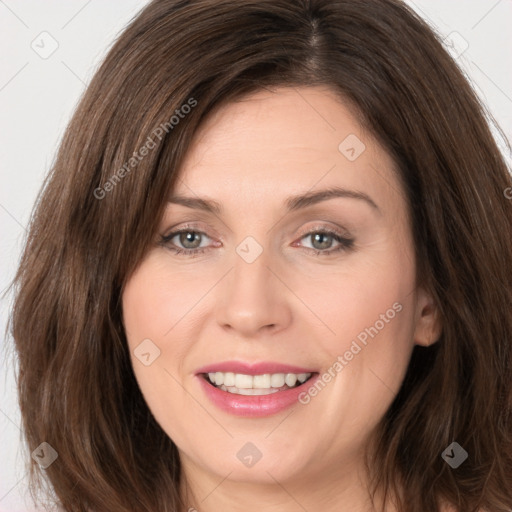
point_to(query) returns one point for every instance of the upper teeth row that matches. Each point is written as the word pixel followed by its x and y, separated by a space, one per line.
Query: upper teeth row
pixel 267 380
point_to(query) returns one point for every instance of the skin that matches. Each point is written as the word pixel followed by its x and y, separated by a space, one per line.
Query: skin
pixel 289 305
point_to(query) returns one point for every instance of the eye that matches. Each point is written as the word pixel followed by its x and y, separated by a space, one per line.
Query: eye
pixel 322 241
pixel 187 241
pixel 189 238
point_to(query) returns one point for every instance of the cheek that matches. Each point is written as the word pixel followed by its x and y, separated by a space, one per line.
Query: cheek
pixel 151 309
pixel 371 311
pixel 371 299
pixel 155 299
pixel 154 310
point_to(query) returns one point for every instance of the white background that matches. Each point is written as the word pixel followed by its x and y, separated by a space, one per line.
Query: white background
pixel 37 97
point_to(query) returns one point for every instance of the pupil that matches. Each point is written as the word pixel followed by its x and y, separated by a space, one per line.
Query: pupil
pixel 318 236
pixel 189 237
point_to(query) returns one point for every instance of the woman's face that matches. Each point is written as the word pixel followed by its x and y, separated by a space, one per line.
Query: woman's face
pixel 281 288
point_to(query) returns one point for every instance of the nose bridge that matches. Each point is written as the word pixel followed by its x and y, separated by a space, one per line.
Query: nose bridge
pixel 251 298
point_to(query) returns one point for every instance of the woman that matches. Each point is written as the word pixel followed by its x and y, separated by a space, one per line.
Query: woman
pixel 271 267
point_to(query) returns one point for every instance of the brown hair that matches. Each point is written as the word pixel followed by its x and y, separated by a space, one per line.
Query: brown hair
pixel 77 390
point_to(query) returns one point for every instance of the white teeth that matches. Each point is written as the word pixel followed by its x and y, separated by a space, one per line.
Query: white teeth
pixel 277 380
pixel 261 381
pixel 290 379
pixel 267 381
pixel 229 379
pixel 242 381
pixel 238 391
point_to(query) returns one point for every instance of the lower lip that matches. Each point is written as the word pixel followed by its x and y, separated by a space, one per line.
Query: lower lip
pixel 254 405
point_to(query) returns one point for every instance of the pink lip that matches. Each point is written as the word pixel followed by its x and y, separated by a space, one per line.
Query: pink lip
pixel 252 369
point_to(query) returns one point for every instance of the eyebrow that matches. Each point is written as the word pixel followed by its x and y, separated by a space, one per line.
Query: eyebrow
pixel 293 203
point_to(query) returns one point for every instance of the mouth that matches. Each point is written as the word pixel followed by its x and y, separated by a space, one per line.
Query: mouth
pixel 255 385
pixel 254 389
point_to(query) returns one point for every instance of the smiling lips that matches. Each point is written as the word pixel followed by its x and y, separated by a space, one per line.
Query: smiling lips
pixel 253 389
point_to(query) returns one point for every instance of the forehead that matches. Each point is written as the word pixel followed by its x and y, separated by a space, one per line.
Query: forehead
pixel 284 141
pixel 282 122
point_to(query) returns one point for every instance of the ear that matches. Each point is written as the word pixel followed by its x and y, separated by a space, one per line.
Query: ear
pixel 428 327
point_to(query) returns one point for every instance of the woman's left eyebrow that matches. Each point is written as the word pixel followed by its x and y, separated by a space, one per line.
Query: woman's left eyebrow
pixel 310 198
pixel 292 203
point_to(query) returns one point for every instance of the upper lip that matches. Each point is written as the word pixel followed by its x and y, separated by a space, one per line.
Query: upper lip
pixel 252 368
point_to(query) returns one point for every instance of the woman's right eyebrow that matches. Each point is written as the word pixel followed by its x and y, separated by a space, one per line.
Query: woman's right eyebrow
pixel 197 203
pixel 292 203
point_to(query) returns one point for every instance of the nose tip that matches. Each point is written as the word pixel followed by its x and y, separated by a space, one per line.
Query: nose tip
pixel 251 299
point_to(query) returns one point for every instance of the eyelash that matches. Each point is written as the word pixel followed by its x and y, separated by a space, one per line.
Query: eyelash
pixel 345 243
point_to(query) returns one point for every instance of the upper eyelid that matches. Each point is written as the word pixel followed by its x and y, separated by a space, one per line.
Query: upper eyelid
pixel 192 226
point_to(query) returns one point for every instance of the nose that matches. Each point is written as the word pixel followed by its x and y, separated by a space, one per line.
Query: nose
pixel 253 299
